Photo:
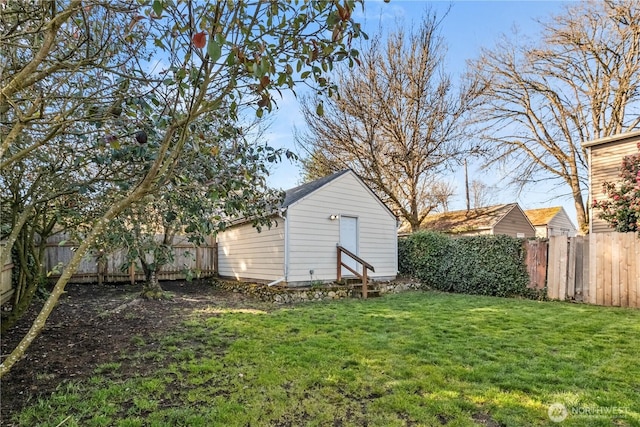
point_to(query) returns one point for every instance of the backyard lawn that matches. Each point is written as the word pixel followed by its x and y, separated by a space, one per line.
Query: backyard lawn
pixel 417 359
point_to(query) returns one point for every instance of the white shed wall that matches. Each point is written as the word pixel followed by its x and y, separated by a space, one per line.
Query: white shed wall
pixel 243 253
pixel 313 236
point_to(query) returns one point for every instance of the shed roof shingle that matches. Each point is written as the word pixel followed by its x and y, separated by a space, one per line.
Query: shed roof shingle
pixel 542 216
pixel 292 195
pixel 463 221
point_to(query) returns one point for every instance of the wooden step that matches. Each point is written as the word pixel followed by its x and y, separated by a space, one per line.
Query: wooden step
pixel 356 291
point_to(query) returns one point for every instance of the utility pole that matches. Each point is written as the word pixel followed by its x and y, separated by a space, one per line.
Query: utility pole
pixel 466 183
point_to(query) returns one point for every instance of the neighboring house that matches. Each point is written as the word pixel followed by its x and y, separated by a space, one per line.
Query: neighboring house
pixel 605 157
pixel 300 248
pixel 551 222
pixel 506 219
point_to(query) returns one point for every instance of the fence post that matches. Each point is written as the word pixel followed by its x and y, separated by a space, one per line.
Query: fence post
pixel 214 253
pixel 364 282
pixel 339 272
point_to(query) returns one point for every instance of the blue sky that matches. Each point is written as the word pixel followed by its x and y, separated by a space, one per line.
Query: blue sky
pixel 468 26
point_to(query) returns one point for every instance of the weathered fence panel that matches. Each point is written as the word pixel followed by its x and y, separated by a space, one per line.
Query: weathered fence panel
pixel 6 290
pixel 107 268
pixel 602 269
pixel 536 262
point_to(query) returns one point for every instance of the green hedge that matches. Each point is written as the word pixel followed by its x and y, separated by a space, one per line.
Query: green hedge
pixel 480 265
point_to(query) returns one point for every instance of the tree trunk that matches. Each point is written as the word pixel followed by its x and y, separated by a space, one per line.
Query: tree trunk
pixel 581 212
pixel 151 288
pixel 19 307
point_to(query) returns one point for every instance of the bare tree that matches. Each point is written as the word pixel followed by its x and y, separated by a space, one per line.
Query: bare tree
pixel 482 194
pixel 397 122
pixel 582 82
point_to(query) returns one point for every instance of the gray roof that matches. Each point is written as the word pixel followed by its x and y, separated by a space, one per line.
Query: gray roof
pixel 294 194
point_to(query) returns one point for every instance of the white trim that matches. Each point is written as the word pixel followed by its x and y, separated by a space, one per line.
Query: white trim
pixel 286 245
pixel 589 195
pixel 612 138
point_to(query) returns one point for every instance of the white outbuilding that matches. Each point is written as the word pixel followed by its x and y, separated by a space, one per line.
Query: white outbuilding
pixel 301 247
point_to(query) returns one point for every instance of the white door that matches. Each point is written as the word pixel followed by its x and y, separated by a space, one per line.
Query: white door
pixel 349 241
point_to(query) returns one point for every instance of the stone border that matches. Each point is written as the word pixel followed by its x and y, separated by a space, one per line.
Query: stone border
pixel 285 295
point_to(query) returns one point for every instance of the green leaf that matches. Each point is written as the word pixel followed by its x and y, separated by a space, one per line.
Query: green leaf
pixel 157 7
pixel 214 49
pixel 320 109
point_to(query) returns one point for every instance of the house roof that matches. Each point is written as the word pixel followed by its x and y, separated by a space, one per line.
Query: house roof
pixel 612 138
pixel 542 216
pixel 298 193
pixel 294 194
pixel 462 221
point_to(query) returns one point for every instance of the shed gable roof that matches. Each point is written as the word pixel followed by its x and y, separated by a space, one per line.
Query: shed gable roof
pixel 294 194
pixel 542 216
pixel 463 221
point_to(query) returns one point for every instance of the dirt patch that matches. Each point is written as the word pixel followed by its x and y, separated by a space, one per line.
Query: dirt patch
pixel 93 325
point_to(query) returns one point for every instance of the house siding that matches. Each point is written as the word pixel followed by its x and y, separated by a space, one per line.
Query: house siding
pixel 605 167
pixel 313 236
pixel 561 225
pixel 513 223
pixel 541 231
pixel 243 253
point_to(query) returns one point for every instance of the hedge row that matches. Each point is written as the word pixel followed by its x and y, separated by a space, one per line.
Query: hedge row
pixel 479 265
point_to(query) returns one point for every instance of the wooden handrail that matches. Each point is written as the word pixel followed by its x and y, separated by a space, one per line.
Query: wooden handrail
pixel 357 259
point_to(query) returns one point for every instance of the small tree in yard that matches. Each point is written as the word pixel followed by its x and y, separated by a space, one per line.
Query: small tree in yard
pixel 104 73
pixel 205 193
pixel 622 208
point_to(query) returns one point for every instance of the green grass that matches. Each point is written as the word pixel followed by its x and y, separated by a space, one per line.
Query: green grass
pixel 417 358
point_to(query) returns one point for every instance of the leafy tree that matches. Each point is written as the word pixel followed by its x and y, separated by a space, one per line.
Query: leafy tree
pixel 209 57
pixel 580 83
pixel 397 122
pixel 62 91
pixel 198 201
pixel 622 208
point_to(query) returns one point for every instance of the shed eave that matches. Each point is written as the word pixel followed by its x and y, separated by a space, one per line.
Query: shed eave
pixel 612 138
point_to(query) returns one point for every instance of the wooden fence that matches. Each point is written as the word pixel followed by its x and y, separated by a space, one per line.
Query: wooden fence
pixel 602 268
pixel 6 288
pixel 188 259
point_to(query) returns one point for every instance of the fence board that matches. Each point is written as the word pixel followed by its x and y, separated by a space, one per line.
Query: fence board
pixel 593 278
pixel 571 270
pixel 6 288
pixel 582 277
pixel 581 260
pixel 558 267
pixel 552 278
pixel 615 269
pixel 601 254
pixel 634 273
pixel 602 269
pixel 108 268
